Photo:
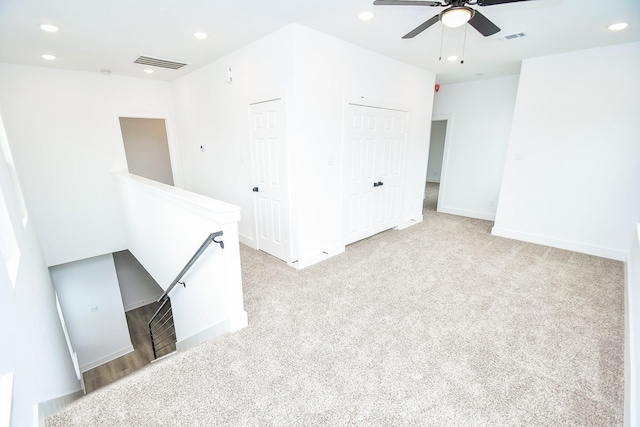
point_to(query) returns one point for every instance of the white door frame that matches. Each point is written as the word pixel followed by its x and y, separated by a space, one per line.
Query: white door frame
pixel 377 104
pixel 286 226
pixel 445 156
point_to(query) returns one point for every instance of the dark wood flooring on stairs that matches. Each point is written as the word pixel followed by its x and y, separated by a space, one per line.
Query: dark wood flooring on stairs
pixel 138 320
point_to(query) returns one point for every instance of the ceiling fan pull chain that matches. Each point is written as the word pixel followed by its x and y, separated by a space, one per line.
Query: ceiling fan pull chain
pixel 441 41
pixel 464 43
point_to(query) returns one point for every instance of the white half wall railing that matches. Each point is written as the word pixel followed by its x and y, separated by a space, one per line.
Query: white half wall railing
pixel 165 225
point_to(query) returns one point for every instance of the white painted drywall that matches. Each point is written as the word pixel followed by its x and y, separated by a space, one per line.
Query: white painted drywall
pixel 316 75
pixel 328 73
pixel 436 150
pixel 64 132
pixel 165 241
pixel 481 113
pixel 632 353
pixel 572 174
pixel 213 114
pixel 92 306
pixel 33 343
pixel 137 287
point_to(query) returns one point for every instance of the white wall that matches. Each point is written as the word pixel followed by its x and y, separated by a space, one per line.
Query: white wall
pixel 316 75
pixel 328 73
pixel 64 132
pixel 33 343
pixel 480 115
pixel 632 354
pixel 92 306
pixel 137 287
pixel 572 174
pixel 165 227
pixel 213 113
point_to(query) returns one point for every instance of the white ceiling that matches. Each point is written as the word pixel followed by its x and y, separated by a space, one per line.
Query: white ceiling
pixel 98 34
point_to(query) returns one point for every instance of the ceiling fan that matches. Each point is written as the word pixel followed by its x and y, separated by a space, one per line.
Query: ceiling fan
pixel 456 14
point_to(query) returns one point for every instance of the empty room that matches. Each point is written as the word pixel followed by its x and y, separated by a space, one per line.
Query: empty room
pixel 350 212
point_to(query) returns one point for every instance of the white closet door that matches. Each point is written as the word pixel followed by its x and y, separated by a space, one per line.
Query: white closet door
pixel 374 170
pixel 270 175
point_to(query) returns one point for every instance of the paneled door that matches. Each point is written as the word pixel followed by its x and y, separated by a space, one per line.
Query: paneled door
pixel 268 146
pixel 374 159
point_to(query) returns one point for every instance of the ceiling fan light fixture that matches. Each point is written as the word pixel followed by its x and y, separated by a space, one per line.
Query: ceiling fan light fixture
pixel 456 16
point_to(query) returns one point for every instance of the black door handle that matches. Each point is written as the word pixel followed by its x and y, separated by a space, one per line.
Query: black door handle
pixel 375 184
pixel 255 189
pixel 380 183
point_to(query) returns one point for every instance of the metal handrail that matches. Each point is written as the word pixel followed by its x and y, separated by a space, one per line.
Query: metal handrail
pixel 164 299
pixel 194 258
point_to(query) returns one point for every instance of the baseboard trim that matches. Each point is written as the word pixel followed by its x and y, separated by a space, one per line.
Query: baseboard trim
pixel 108 358
pixel 142 303
pixel 409 222
pixel 560 244
pixel 248 241
pixel 231 324
pixel 470 214
pixel 304 262
pixel 50 407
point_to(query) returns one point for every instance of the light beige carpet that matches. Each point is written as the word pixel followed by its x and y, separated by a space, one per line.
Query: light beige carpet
pixel 440 324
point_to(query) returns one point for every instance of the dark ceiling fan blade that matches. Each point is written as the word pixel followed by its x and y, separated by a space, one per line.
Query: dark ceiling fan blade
pixel 420 28
pixel 406 3
pixel 492 2
pixel 482 24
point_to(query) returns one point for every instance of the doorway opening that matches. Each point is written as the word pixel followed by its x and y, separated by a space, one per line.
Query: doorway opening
pixel 270 175
pixel 435 165
pixel 374 169
pixel 147 148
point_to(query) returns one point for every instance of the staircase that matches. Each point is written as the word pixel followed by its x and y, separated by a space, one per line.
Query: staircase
pixel 162 330
pixel 162 325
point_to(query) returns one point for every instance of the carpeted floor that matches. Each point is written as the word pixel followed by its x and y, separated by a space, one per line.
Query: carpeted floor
pixel 440 324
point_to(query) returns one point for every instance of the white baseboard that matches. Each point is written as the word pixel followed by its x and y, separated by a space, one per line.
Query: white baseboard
pixel 470 214
pixel 50 407
pixel 304 262
pixel 231 324
pixel 409 222
pixel 252 243
pixel 108 358
pixel 560 244
pixel 142 303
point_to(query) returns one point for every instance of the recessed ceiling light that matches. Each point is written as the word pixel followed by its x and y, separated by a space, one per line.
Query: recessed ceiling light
pixel 48 57
pixel 148 70
pixel 619 26
pixel 365 16
pixel 49 28
pixel 452 58
pixel 200 35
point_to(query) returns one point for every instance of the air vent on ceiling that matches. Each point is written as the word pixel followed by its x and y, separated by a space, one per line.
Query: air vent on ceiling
pixel 159 62
pixel 512 36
